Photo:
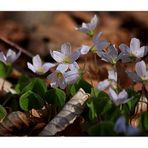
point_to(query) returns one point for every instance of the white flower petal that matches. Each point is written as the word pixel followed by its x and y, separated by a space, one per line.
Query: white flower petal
pixel 123 95
pixel 97 38
pixel 140 68
pixel 103 85
pixel 124 48
pixel 140 52
pixel 93 22
pixel 57 56
pixel 54 84
pixel 31 67
pixel 75 56
pixel 112 75
pixel 11 53
pixel 113 95
pixel 105 57
pixel 134 44
pixel 52 76
pixel 66 49
pixel 62 67
pixel 74 66
pixel 120 125
pixel 62 84
pixel 47 66
pixel 84 49
pixel 113 51
pixel 2 57
pixel 37 62
pixel 101 45
pixel 18 55
pixel 71 76
pixel 11 56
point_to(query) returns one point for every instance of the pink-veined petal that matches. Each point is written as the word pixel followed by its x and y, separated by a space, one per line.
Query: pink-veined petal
pixel 74 66
pixel 75 56
pixel 52 77
pixel 124 48
pixel 93 22
pixel 140 52
pixel 123 95
pixel 37 62
pixel 71 76
pixel 101 45
pixel 47 66
pixel 62 67
pixel 57 56
pixel 66 49
pixel 113 51
pixel 97 38
pixel 62 84
pixel 113 95
pixel 140 68
pixel 134 44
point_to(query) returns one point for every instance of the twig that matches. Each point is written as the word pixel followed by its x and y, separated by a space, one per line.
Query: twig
pixel 4 40
pixel 67 115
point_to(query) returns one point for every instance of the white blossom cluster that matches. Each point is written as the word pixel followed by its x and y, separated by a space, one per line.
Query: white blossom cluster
pixel 67 70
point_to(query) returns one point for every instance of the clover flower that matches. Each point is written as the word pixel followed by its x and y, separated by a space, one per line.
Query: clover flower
pixel 10 56
pixel 57 79
pixel 110 82
pixel 121 127
pixel 38 66
pixel 89 28
pixel 118 98
pixel 134 51
pixel 98 45
pixel 61 78
pixel 111 56
pixel 141 74
pixel 65 58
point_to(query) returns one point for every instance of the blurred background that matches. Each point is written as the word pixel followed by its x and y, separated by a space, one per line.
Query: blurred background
pixel 37 32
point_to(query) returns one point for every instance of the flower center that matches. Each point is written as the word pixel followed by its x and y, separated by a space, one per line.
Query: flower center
pixel 143 78
pixel 93 49
pixel 40 70
pixel 67 60
pixel 113 61
pixel 60 75
pixel 90 33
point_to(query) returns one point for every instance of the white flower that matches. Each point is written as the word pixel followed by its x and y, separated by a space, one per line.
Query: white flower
pixel 134 51
pixel 60 78
pixel 141 73
pixel 111 56
pixel 38 66
pixel 121 127
pixel 10 57
pixel 89 28
pixel 65 58
pixel 120 98
pixel 98 45
pixel 110 82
